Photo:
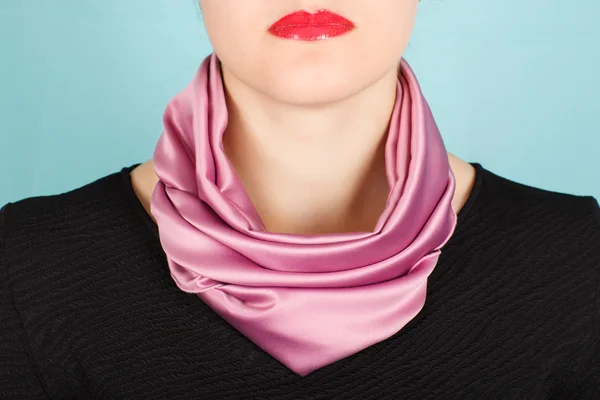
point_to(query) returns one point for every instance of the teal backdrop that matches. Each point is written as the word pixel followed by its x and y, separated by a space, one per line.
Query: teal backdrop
pixel 513 84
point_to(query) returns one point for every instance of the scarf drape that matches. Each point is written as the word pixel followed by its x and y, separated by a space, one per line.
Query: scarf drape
pixel 307 300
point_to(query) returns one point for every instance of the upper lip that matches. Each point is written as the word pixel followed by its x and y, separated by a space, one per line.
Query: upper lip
pixel 320 17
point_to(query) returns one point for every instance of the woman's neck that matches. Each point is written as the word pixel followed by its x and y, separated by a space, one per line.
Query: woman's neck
pixel 312 169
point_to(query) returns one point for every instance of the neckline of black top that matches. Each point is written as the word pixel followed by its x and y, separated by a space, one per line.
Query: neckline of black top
pixel 141 213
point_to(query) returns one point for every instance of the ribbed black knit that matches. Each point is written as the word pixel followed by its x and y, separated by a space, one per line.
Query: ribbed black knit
pixel 88 309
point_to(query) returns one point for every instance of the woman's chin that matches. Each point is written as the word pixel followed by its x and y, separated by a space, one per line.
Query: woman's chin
pixel 311 92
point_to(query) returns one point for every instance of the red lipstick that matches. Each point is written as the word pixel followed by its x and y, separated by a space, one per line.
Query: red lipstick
pixel 302 25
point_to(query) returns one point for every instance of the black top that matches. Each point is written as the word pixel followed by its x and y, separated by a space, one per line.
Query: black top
pixel 88 309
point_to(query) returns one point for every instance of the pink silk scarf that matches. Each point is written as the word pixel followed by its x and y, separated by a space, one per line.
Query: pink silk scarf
pixel 307 300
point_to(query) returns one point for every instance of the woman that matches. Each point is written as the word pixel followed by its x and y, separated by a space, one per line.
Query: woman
pixel 301 232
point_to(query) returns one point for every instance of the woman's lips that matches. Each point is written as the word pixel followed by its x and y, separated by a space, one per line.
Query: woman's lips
pixel 302 25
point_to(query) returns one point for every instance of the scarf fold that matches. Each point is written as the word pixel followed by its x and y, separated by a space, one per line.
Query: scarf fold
pixel 307 300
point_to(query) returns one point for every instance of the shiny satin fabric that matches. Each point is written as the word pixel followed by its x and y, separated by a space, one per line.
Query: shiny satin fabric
pixel 307 300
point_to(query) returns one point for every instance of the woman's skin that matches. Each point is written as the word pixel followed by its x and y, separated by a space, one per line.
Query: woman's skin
pixel 308 120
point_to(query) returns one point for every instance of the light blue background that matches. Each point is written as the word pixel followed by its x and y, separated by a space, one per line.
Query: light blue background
pixel 513 84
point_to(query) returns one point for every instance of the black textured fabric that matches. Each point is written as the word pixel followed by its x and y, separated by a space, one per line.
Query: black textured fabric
pixel 88 309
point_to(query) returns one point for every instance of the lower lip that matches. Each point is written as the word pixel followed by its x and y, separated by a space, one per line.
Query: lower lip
pixel 310 32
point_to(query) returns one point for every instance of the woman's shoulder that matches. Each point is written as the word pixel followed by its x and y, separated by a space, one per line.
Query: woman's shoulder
pixel 541 231
pixel 63 206
pixel 512 199
pixel 52 229
pixel 66 259
pixel 95 200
